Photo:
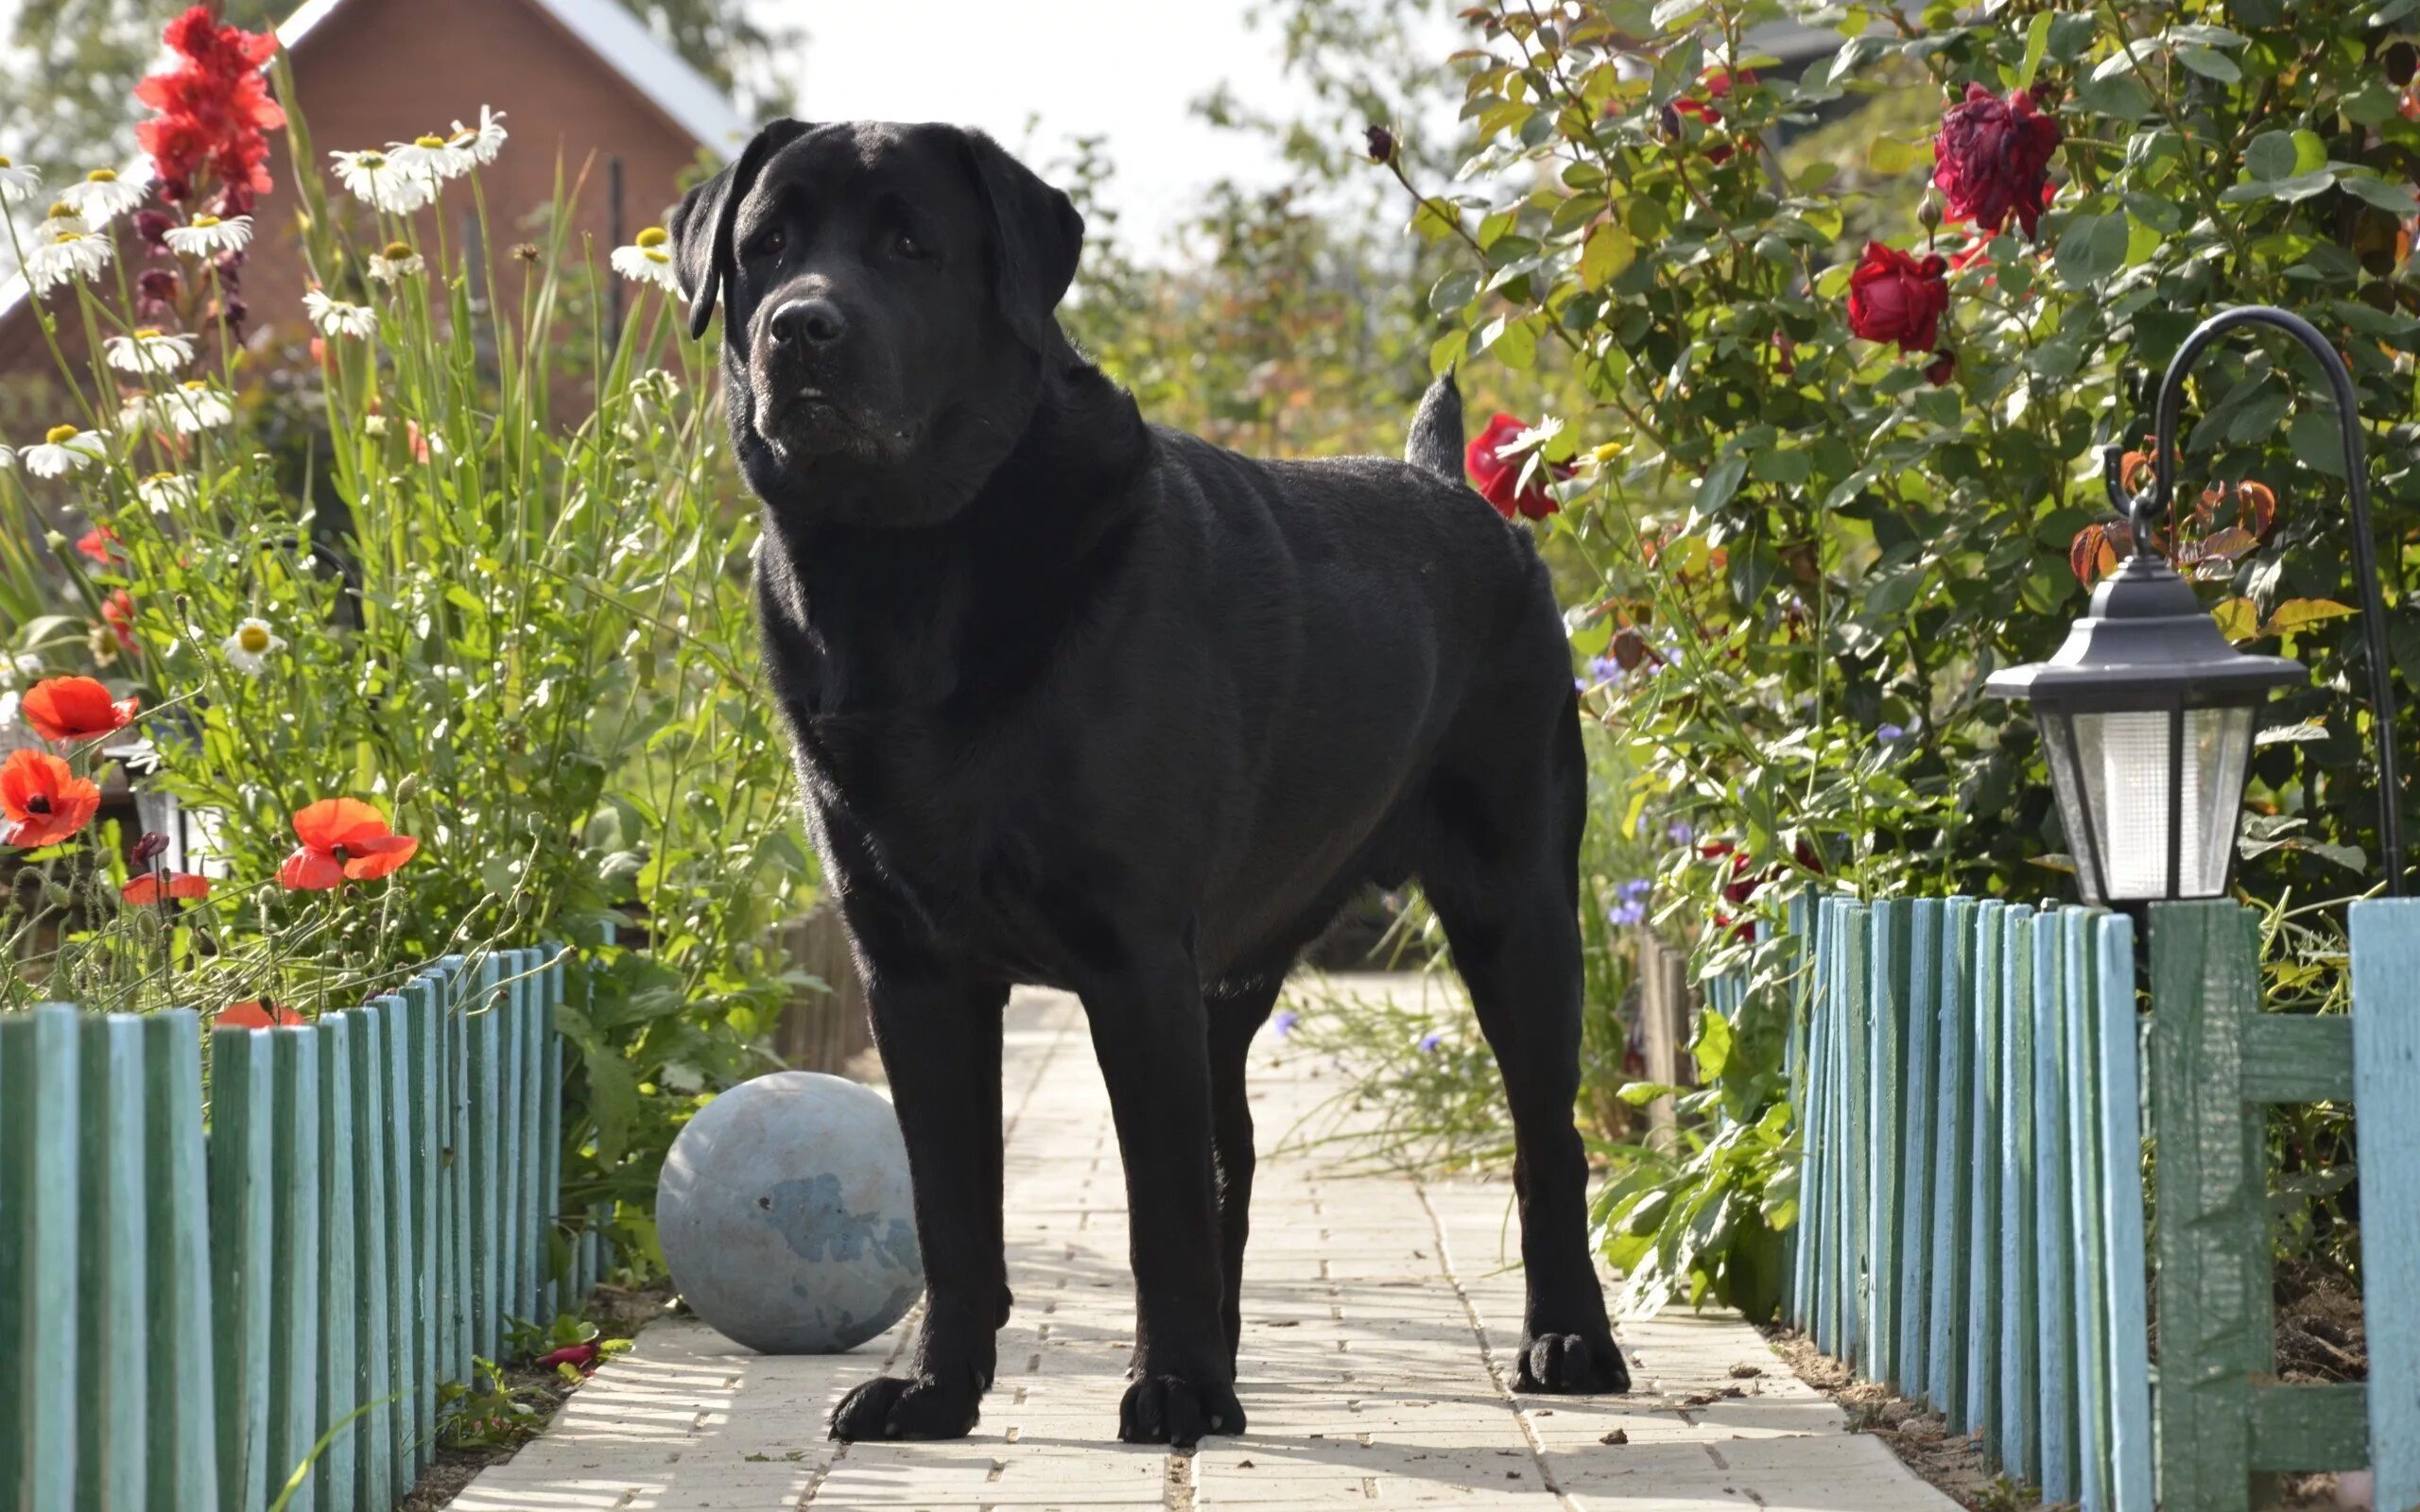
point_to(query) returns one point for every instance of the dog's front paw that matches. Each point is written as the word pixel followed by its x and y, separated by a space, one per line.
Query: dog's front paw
pixel 1571 1365
pixel 908 1407
pixel 1173 1410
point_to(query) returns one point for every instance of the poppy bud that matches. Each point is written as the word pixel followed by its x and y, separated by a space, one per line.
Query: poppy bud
pixel 157 285
pixel 149 847
pixel 405 790
pixel 1382 145
pixel 152 227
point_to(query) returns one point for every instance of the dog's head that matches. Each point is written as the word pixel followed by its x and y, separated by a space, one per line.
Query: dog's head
pixel 888 295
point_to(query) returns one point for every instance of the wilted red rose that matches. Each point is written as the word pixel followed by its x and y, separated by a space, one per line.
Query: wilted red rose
pixel 1703 104
pixel 42 800
pixel 75 708
pixel 1992 159
pixel 1499 477
pixel 1894 298
pixel 1943 364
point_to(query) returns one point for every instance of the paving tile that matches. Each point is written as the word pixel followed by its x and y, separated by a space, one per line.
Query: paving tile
pixel 1380 1315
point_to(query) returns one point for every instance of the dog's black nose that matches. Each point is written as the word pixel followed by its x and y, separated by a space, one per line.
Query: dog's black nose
pixel 815 321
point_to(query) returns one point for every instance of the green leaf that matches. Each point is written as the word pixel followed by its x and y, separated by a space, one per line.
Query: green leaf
pixel 2317 443
pixel 1720 481
pixel 1609 250
pixel 2121 97
pixel 1712 1048
pixel 2395 198
pixel 1889 156
pixel 2037 41
pixel 2092 249
pixel 2210 64
pixel 1453 291
pixel 2293 187
pixel 1447 351
pixel 2272 155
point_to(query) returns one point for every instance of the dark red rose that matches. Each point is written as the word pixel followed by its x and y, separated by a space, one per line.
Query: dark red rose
pixel 1381 144
pixel 1498 478
pixel 1992 159
pixel 1943 364
pixel 1894 298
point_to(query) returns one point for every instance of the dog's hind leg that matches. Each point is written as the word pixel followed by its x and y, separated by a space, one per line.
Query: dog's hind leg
pixel 1234 1020
pixel 1502 876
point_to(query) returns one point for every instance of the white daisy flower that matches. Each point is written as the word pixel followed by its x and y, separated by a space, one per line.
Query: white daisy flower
pixel 396 263
pixel 26 666
pixel 483 141
pixel 8 457
pixel 194 407
pixel 379 182
pixel 101 196
pixel 138 413
pixel 165 493
pixel 432 158
pixel 208 236
pixel 149 350
pixel 17 182
pixel 9 731
pixel 249 649
pixel 65 247
pixel 64 450
pixel 648 259
pixel 335 317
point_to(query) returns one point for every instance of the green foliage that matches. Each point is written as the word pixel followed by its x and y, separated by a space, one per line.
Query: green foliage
pixel 486 1412
pixel 493 545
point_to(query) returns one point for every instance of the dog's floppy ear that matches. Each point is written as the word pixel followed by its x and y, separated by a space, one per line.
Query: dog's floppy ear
pixel 701 227
pixel 1036 235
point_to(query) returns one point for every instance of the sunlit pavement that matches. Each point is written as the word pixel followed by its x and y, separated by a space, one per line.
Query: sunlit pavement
pixel 1380 1315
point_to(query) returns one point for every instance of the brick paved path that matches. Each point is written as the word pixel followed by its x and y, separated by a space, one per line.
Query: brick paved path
pixel 1379 1316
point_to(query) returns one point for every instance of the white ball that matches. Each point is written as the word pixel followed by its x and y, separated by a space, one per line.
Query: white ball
pixel 786 1216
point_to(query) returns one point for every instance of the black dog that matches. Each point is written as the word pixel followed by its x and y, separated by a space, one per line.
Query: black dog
pixel 1085 703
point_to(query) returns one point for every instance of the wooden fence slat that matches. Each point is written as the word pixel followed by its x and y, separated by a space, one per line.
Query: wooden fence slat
pixel 550 1140
pixel 1983 1271
pixel 486 1093
pixel 241 1274
pixel 1836 1285
pixel 1886 1035
pixel 534 1016
pixel 114 1254
pixel 184 1433
pixel 295 1227
pixel 2386 1093
pixel 393 1105
pixel 2126 1272
pixel 2213 1243
pixel 1856 1003
pixel 2297 1057
pixel 2305 1426
pixel 460 1000
pixel 1805 1267
pixel 2054 1296
pixel 421 996
pixel 336 1480
pixel 1920 1136
pixel 512 1203
pixel 1952 1215
pixel 2087 1182
pixel 39 1126
pixel 2015 1444
pixel 374 1354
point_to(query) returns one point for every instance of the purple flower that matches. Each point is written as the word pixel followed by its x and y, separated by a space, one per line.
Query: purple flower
pixel 1285 1023
pixel 1680 831
pixel 1632 909
pixel 1626 914
pixel 1430 1040
pixel 1890 732
pixel 1604 668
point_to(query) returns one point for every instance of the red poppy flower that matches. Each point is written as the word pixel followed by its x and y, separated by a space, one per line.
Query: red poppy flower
pixel 151 886
pixel 581 1357
pixel 1992 159
pixel 1894 298
pixel 42 800
pixel 98 544
pixel 1499 477
pixel 75 708
pixel 257 1013
pixel 343 838
pixel 118 611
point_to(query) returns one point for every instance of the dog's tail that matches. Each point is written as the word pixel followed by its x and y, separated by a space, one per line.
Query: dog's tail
pixel 1435 444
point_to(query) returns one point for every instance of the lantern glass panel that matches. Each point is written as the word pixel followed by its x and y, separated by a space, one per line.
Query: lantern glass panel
pixel 2127 766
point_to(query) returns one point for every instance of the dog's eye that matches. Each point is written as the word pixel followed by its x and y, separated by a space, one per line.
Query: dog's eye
pixel 769 244
pixel 904 244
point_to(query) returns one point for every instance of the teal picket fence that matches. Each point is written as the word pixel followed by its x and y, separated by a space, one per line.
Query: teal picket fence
pixel 192 1295
pixel 1975 1085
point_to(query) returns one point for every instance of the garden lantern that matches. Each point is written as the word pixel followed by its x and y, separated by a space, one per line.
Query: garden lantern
pixel 2147 714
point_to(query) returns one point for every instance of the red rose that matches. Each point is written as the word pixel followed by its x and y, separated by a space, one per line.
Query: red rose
pixel 1715 85
pixel 1894 298
pixel 1499 477
pixel 1992 159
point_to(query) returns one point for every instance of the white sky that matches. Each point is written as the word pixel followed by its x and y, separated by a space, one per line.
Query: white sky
pixel 1127 69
